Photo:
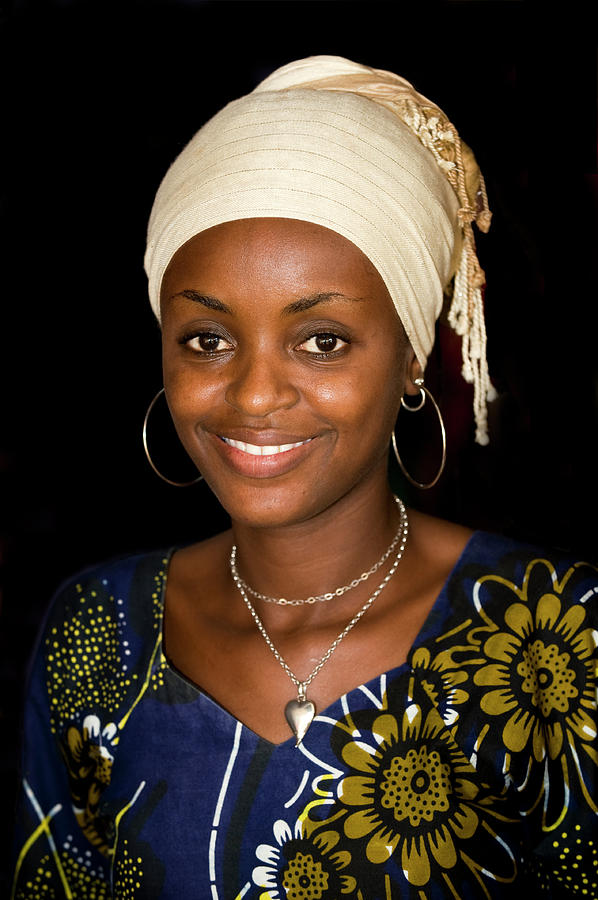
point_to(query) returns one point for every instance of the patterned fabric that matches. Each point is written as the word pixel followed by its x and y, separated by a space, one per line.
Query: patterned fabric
pixel 469 771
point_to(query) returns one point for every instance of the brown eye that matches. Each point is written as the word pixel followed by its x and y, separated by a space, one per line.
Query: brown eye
pixel 323 343
pixel 207 342
pixel 326 342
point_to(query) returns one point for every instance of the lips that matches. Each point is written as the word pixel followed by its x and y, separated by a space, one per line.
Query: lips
pixel 263 449
pixel 264 454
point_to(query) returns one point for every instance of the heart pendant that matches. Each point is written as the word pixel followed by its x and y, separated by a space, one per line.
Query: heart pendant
pixel 299 714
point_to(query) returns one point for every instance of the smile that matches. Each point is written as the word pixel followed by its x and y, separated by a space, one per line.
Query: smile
pixel 266 449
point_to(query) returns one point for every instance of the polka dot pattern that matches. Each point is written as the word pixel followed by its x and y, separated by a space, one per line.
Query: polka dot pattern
pixel 157 604
pixel 577 864
pixel 84 881
pixel 87 660
pixel 128 874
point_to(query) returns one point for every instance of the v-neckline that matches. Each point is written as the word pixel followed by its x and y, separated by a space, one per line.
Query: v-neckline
pixel 389 674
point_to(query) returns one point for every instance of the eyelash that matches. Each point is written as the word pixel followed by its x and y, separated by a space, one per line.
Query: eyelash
pixel 325 354
pixel 187 340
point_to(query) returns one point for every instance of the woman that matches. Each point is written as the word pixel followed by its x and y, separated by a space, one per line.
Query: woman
pixel 250 716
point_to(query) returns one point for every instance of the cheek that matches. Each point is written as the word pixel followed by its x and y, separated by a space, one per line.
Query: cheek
pixel 367 400
pixel 190 395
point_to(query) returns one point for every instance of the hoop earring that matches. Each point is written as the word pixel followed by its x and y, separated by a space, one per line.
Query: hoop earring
pixel 147 453
pixel 419 382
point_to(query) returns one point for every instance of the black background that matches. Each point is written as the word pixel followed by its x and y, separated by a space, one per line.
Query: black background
pixel 100 97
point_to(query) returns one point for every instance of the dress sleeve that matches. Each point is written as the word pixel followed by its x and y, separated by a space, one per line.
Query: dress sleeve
pixel 538 700
pixel 564 658
pixel 52 856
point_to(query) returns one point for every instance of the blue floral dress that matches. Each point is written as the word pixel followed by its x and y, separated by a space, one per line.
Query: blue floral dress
pixel 467 772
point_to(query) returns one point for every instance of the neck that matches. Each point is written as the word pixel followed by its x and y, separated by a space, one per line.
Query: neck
pixel 323 552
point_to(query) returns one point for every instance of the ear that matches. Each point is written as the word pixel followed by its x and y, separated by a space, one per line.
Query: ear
pixel 413 370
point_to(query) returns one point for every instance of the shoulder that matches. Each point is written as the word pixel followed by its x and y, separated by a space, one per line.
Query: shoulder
pixel 466 552
pixel 506 557
pixel 497 583
pixel 112 582
pixel 508 580
pixel 99 640
pixel 106 602
pixel 97 615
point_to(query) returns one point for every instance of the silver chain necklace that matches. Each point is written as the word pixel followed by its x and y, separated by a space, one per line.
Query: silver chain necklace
pixel 300 713
pixel 329 595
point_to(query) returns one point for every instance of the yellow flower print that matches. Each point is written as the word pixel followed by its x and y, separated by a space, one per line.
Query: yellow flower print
pixel 416 786
pixel 540 678
pixel 304 877
pixel 442 678
pixel 304 865
pixel 412 793
pixel 88 757
pixel 547 677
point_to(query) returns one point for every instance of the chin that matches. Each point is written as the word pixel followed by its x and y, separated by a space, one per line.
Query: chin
pixel 269 506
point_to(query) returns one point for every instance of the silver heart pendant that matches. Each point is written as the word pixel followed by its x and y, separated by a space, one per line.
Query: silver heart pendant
pixel 300 714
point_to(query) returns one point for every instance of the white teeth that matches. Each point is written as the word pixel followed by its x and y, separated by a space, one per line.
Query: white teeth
pixel 266 450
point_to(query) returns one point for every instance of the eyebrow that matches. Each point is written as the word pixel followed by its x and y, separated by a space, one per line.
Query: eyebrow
pixel 205 300
pixel 308 302
pixel 297 306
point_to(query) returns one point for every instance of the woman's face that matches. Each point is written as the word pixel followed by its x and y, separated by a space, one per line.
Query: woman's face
pixel 284 365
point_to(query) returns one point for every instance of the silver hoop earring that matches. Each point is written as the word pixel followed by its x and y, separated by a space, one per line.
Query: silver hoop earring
pixel 147 453
pixel 424 392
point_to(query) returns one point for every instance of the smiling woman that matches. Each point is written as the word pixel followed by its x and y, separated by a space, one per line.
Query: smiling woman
pixel 337 696
pixel 300 349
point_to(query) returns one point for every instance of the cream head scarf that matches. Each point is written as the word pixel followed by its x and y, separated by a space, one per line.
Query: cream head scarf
pixel 358 151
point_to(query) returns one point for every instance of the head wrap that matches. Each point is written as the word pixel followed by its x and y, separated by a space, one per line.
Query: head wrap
pixel 359 151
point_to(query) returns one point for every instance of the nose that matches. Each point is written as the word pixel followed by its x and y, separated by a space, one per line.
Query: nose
pixel 260 385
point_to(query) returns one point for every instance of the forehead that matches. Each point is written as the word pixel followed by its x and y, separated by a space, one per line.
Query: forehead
pixel 284 255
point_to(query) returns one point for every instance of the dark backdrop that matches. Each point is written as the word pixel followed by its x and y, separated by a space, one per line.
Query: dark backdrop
pixel 101 96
